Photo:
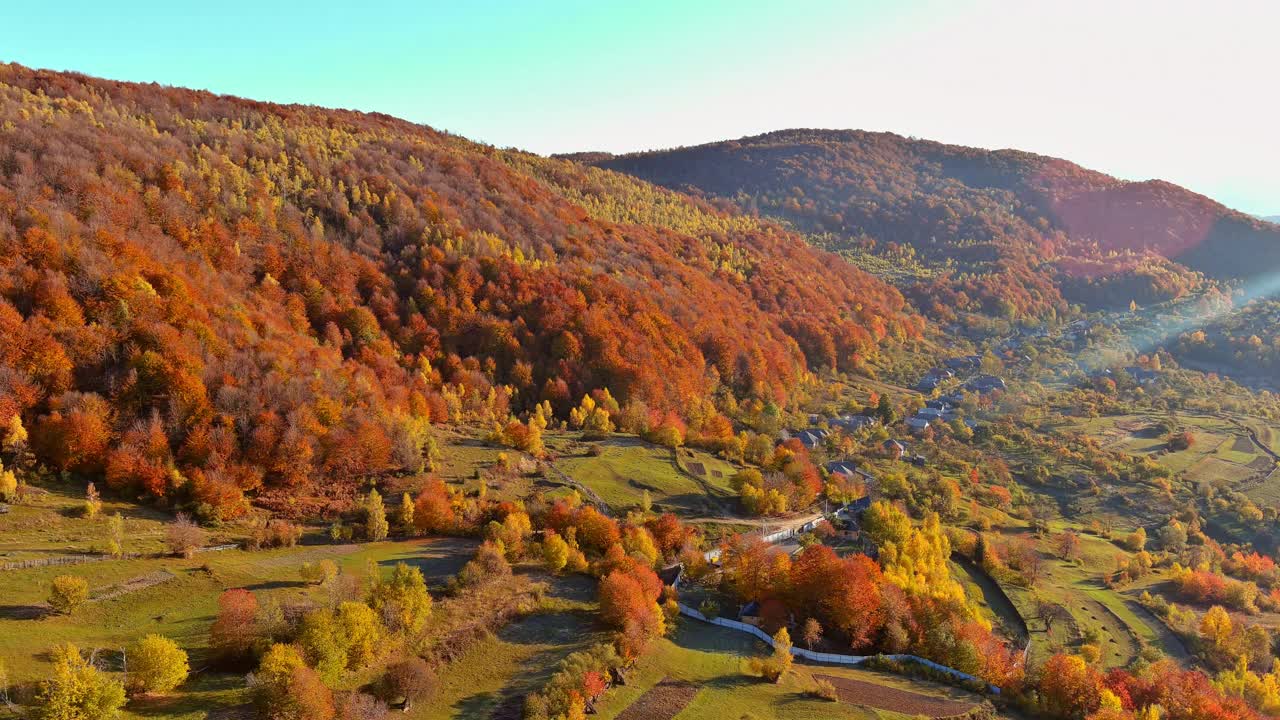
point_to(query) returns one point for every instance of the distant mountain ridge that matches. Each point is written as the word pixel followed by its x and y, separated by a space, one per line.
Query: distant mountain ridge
pixel 1045 227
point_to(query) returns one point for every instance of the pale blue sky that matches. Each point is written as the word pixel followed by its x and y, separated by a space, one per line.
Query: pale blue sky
pixel 1177 89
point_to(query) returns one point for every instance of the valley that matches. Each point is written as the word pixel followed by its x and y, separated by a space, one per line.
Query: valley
pixel 314 414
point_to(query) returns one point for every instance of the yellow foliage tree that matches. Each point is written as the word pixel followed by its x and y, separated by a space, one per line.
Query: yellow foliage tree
pixel 156 665
pixel 77 690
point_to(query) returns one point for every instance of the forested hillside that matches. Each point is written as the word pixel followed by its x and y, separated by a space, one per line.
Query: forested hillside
pixel 1003 232
pixel 206 296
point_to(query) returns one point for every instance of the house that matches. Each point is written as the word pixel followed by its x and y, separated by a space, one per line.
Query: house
pixel 929 384
pixel 963 362
pixel 983 384
pixel 928 413
pixel 852 423
pixel 917 424
pixel 842 467
pixel 939 404
pixel 918 460
pixel 849 469
pixel 812 437
pixel 1141 375
pixel 894 449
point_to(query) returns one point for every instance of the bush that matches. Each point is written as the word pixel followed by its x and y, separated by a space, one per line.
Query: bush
pixel 156 665
pixel 276 533
pixel 67 593
pixel 408 681
pixel 360 706
pixel 823 690
pixel 320 573
pixel 183 536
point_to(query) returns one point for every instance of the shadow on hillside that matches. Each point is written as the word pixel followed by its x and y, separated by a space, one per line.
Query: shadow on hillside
pixel 24 612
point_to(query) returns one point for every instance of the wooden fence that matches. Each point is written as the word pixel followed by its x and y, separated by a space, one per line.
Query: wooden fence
pixel 81 559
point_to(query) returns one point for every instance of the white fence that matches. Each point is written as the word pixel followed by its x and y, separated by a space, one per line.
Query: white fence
pixel 828 657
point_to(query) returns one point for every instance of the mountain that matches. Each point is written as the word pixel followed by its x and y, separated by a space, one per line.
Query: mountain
pixel 208 295
pixel 1271 218
pixel 1000 231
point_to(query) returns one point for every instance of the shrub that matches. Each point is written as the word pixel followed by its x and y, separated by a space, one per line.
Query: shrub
pixel 183 536
pixel 92 502
pixel 360 706
pixel 275 533
pixel 489 562
pixel 67 593
pixel 408 681
pixel 320 573
pixel 774 667
pixel 823 690
pixel 156 665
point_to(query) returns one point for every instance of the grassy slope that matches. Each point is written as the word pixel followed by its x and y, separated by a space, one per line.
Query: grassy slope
pixel 626 467
pixel 713 657
pixel 183 608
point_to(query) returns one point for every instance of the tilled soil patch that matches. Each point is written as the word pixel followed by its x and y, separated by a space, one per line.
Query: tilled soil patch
pixel 858 692
pixel 661 702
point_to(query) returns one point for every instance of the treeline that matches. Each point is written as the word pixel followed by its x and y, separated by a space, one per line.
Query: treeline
pixel 202 297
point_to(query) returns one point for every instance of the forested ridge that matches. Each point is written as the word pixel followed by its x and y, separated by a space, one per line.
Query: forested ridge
pixel 211 295
pixel 1002 232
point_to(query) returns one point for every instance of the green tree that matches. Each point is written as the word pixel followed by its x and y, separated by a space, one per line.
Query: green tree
pixel 403 600
pixel 156 665
pixel 77 690
pixel 375 517
pixel 884 410
pixel 67 593
pixel 321 639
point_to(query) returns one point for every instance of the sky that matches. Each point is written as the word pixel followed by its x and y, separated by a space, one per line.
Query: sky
pixel 1179 90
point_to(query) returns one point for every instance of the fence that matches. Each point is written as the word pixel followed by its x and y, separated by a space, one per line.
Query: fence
pixel 81 559
pixel 831 658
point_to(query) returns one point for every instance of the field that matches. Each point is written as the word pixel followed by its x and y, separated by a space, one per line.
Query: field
pixel 1111 619
pixel 1221 449
pixel 701 666
pixel 690 483
pixel 181 607
pixel 492 677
